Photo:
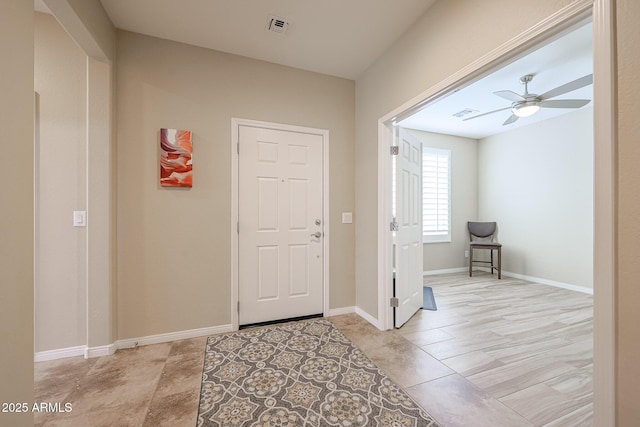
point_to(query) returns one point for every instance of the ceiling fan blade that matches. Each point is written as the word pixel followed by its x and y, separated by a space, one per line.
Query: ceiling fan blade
pixel 568 87
pixel 509 95
pixel 510 120
pixel 484 114
pixel 565 103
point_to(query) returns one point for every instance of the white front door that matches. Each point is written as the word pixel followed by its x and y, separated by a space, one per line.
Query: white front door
pixel 280 241
pixel 408 253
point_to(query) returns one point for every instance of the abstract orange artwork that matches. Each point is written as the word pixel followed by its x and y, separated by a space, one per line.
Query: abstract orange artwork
pixel 175 158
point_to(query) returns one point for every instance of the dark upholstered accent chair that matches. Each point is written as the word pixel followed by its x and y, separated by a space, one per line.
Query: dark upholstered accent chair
pixel 486 232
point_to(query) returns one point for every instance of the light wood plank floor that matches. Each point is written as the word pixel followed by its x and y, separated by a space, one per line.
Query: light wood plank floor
pixel 499 353
pixel 528 346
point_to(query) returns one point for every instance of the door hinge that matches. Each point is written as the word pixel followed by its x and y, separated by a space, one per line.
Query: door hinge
pixel 393 225
pixel 238 147
pixel 395 150
pixel 238 307
pixel 394 302
pixel 238 227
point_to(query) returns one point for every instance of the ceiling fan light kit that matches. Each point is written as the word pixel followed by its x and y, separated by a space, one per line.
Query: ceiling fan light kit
pixel 528 104
pixel 526 109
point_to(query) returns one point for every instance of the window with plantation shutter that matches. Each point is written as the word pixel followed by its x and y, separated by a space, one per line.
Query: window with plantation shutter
pixel 436 194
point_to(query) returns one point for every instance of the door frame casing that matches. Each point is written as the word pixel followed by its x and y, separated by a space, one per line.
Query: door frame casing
pixel 605 167
pixel 324 133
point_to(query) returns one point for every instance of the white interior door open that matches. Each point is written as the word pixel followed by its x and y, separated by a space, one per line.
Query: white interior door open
pixel 408 253
pixel 280 224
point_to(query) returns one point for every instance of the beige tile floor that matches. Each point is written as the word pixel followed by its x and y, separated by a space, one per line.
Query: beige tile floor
pixel 496 353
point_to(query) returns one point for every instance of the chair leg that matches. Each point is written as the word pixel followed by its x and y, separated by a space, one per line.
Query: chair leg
pixel 499 263
pixel 470 261
pixel 491 250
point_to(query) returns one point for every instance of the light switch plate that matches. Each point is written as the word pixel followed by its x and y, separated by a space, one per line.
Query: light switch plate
pixel 79 218
pixel 347 217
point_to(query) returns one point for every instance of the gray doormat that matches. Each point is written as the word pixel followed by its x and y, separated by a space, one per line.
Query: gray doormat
pixel 428 301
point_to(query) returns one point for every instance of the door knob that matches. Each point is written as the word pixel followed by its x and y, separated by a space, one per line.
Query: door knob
pixel 317 235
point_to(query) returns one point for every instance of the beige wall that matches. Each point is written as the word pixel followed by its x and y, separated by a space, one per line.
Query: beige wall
pixel 628 393
pixel 537 183
pixel 174 244
pixel 447 38
pixel 60 290
pixel 464 199
pixel 16 193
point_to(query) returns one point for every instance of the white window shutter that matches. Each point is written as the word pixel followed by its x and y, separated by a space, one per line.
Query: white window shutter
pixel 436 184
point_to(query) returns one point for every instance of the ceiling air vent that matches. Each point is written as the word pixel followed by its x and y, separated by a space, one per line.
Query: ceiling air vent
pixel 277 25
pixel 464 112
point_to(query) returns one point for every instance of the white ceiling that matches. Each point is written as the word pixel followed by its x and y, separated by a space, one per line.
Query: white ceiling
pixel 343 38
pixel 336 37
pixel 559 62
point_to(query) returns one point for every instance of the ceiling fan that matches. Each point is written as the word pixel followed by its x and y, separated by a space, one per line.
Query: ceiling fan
pixel 528 104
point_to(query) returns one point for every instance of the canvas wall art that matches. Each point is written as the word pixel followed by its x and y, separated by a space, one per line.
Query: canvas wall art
pixel 176 161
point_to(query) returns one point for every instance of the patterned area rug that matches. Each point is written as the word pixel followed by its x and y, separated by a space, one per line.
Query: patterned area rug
pixel 299 374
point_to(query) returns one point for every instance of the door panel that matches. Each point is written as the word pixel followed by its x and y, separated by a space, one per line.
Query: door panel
pixel 267 204
pixel 280 197
pixel 299 268
pixel 268 260
pixel 298 203
pixel 408 262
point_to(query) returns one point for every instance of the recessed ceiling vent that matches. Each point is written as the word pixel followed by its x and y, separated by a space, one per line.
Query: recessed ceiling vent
pixel 277 25
pixel 464 112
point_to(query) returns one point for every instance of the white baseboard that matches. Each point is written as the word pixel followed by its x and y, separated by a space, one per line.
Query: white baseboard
pixel 515 276
pixel 341 310
pixel 106 350
pixel 445 271
pixel 549 282
pixel 103 350
pixel 173 336
pixel 61 353
pixel 369 318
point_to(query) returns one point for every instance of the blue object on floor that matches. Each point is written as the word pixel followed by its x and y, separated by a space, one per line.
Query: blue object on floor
pixel 428 301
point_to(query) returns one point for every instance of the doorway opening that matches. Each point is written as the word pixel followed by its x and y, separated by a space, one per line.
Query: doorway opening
pixel 604 166
pixel 484 162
